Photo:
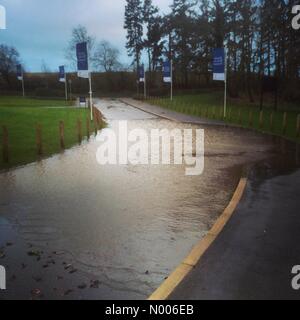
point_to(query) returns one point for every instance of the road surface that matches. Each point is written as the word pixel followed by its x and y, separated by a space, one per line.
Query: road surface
pixel 73 229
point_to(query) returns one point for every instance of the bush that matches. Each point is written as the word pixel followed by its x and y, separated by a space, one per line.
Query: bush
pixel 47 93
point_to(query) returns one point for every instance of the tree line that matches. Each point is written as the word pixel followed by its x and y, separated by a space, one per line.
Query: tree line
pixel 103 57
pixel 263 50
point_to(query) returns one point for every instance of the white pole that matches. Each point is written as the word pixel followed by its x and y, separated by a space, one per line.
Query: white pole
pixel 145 85
pixel 91 95
pixel 171 79
pixel 70 84
pixel 66 87
pixel 23 86
pixel 225 87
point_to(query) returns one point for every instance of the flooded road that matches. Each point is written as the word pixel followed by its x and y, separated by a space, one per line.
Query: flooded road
pixel 73 229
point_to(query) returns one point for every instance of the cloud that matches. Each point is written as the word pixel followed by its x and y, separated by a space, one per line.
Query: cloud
pixel 41 29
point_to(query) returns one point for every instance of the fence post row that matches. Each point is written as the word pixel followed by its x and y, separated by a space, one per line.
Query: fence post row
pixel 284 124
pixel 251 118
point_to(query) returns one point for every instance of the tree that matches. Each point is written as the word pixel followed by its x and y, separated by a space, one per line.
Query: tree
pixel 262 46
pixel 9 59
pixel 107 57
pixel 134 26
pixel 219 30
pixel 183 26
pixel 248 33
pixel 202 41
pixel 80 34
pixel 153 43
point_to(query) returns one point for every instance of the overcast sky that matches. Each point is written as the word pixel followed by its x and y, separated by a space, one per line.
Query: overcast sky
pixel 40 29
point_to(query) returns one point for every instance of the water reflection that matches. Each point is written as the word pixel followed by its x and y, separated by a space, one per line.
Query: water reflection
pixel 129 226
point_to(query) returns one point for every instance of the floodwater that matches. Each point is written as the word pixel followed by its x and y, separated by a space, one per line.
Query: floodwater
pixel 73 229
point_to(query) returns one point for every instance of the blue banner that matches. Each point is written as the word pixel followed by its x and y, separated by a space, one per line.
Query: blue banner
pixel 82 60
pixel 141 74
pixel 167 71
pixel 19 72
pixel 219 64
pixel 62 75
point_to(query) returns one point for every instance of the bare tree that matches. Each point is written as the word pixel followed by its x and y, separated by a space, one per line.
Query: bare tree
pixel 107 57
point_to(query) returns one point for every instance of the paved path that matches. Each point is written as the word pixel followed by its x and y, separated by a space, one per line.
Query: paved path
pixel 254 255
pixel 169 114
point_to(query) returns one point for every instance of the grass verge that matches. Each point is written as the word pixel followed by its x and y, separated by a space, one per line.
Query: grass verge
pixel 284 122
pixel 21 117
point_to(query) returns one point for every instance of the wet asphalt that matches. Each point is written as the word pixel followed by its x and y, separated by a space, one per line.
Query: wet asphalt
pixel 71 229
pixel 254 255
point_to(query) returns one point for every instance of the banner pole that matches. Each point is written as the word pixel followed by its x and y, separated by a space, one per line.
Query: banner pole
pixel 70 89
pixel 91 95
pixel 145 85
pixel 66 87
pixel 23 86
pixel 171 79
pixel 225 86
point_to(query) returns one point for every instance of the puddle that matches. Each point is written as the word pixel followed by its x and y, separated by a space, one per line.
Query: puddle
pixel 122 228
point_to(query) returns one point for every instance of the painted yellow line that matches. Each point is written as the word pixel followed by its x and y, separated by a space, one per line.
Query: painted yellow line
pixel 189 263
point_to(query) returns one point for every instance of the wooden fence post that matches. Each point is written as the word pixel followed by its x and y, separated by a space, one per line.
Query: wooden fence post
pixel 240 116
pixel 298 126
pixel 261 119
pixel 39 141
pixel 251 118
pixel 79 132
pixel 5 145
pixel 284 123
pixel 62 135
pixel 272 121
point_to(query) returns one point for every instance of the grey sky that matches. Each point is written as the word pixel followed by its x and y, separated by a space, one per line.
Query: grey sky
pixel 40 29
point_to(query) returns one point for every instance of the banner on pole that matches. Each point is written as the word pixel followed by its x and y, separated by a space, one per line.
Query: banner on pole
pixel 62 75
pixel 19 72
pixel 142 74
pixel 167 72
pixel 82 60
pixel 219 64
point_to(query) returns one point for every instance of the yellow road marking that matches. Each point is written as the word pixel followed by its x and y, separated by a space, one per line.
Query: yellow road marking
pixel 188 264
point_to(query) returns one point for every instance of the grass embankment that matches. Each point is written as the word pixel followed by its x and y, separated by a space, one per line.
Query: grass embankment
pixel 21 117
pixel 239 112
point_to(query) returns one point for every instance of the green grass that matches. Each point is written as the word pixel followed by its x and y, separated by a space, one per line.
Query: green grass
pixel 21 117
pixel 210 106
pixel 20 102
